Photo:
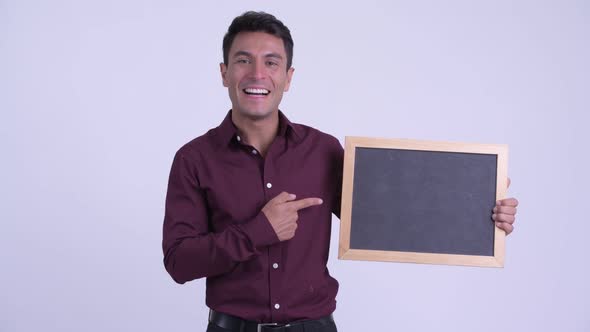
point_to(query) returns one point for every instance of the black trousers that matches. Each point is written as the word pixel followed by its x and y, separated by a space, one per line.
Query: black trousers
pixel 330 327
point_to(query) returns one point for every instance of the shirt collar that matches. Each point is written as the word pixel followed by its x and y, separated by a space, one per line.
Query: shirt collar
pixel 227 132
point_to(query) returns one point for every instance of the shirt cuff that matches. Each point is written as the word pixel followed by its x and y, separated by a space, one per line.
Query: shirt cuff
pixel 260 231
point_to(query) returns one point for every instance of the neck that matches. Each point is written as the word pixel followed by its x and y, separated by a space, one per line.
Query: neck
pixel 259 132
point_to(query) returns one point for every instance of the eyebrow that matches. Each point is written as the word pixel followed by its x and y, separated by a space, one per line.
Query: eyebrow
pixel 274 55
pixel 248 54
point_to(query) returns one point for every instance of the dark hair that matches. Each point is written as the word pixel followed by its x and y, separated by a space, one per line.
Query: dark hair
pixel 254 22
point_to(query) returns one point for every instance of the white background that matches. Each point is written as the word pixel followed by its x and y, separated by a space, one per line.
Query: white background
pixel 97 96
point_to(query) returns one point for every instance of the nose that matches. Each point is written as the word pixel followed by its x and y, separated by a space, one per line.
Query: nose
pixel 257 70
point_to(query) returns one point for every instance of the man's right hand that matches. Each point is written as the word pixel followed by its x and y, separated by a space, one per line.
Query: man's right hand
pixel 281 211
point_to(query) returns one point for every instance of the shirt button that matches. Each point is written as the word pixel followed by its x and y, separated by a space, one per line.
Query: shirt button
pixel 275 266
pixel 269 185
pixel 254 152
pixel 277 306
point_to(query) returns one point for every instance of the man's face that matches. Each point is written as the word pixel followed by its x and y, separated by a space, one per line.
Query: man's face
pixel 256 74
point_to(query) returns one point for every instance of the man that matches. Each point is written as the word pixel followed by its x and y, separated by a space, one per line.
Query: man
pixel 249 203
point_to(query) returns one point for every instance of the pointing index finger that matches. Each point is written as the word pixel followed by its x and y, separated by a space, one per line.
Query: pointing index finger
pixel 306 202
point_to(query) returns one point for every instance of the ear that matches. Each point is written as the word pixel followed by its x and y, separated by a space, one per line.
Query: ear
pixel 223 70
pixel 289 76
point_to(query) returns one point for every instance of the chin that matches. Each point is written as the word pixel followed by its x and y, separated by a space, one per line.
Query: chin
pixel 256 114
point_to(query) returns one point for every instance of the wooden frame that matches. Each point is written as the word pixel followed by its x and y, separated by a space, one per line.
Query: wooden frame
pixel 346 252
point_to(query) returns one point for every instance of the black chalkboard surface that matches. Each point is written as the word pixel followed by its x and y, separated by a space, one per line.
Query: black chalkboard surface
pixel 422 202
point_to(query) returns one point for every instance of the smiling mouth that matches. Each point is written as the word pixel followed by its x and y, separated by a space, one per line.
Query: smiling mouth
pixel 256 92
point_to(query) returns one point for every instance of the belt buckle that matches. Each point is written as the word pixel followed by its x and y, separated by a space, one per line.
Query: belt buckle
pixel 262 325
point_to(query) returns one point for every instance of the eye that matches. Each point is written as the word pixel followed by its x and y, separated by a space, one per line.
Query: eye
pixel 243 61
pixel 271 63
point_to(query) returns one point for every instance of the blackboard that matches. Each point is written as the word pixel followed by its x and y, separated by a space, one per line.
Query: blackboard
pixel 422 201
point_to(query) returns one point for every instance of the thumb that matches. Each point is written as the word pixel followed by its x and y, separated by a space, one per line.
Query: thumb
pixel 283 197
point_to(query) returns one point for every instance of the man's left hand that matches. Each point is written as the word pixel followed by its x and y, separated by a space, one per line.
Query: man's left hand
pixel 504 213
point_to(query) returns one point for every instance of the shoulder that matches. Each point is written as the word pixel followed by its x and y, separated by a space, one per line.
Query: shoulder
pixel 317 137
pixel 195 149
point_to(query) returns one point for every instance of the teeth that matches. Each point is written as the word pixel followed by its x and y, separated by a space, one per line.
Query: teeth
pixel 256 91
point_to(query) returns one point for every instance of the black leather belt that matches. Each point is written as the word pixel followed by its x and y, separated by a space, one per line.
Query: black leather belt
pixel 234 323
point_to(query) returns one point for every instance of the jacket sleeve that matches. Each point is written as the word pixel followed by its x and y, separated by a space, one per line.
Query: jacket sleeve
pixel 191 251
